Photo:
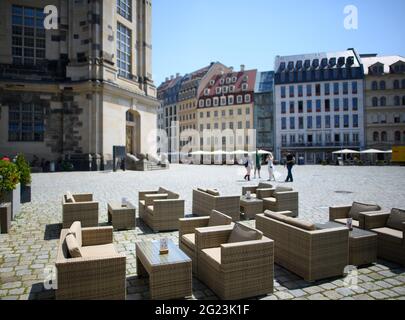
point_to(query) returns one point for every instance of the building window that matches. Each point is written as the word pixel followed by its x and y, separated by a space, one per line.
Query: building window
pixel 247 98
pixel 300 123
pixel 230 100
pixel 337 121
pixel 375 102
pixel 283 108
pixel 396 84
pixel 319 122
pixel 239 112
pixel 216 102
pixel 403 84
pixel 327 122
pixel 231 112
pixel 292 107
pixel 309 106
pixel 383 101
pixel 355 121
pixel 384 136
pixel 355 104
pixel 374 85
pixel 354 87
pixel 318 90
pixel 403 100
pixel 292 123
pixel 283 92
pixel 201 103
pixel 223 101
pixel 318 106
pixel 382 85
pixel 327 105
pixel 239 99
pixel 309 122
pixel 124 8
pixel 397 136
pixel 283 123
pixel 345 88
pixel 336 88
pixel 231 89
pixel 327 89
pixel 292 91
pixel 346 121
pixel 376 136
pixel 300 91
pixel 247 111
pixel 218 90
pixel 300 106
pixel 397 101
pixel 26 122
pixel 345 104
pixel 208 103
pixel 28 35
pixel 245 87
pixel 124 51
pixel 309 90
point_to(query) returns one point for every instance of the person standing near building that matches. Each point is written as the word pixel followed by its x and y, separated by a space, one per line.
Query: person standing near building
pixel 290 164
pixel 258 164
pixel 270 166
pixel 248 165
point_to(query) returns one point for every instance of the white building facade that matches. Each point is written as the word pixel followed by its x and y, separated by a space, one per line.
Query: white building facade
pixel 319 105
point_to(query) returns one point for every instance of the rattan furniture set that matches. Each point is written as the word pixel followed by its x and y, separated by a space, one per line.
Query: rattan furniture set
pixel 233 260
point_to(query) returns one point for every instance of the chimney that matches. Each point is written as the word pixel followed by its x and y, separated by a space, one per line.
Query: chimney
pixel 231 68
pixel 242 67
pixel 167 79
pixel 171 77
pixel 177 75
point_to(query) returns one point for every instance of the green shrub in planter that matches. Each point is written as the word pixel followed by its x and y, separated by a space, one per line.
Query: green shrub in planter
pixel 9 177
pixel 25 178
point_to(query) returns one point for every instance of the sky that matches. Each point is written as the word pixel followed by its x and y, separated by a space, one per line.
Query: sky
pixel 189 34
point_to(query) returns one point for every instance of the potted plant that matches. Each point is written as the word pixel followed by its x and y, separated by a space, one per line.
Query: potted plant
pixel 25 178
pixel 10 186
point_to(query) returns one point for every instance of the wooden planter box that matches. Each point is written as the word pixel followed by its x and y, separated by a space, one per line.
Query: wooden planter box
pixel 25 193
pixel 14 198
pixel 5 217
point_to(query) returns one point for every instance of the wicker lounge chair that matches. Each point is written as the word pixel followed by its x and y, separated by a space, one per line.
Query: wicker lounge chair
pixel 299 247
pixel 162 210
pixel 390 228
pixel 79 207
pixel 204 201
pixel 281 199
pixel 97 270
pixel 187 232
pixel 162 193
pixel 232 268
pixel 341 214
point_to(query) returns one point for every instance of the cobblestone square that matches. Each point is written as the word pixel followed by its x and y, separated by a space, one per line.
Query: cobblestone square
pixel 31 245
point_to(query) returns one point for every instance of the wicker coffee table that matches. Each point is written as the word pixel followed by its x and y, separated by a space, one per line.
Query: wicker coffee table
pixel 170 275
pixel 122 217
pixel 362 244
pixel 250 207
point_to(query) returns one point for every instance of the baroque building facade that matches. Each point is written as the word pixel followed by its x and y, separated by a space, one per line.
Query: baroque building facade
pixel 75 92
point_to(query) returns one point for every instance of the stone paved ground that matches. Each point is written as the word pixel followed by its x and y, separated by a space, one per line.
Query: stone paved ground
pixel 31 244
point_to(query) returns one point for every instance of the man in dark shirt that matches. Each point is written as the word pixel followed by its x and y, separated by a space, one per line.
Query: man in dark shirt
pixel 290 164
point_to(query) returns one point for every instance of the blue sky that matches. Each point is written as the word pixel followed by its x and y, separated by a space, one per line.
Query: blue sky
pixel 189 34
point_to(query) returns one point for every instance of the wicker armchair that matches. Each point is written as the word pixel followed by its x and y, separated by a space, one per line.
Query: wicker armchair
pixel 187 232
pixel 79 207
pixel 162 211
pixel 100 272
pixel 391 240
pixel 162 193
pixel 300 248
pixel 234 270
pixel 204 201
pixel 281 199
pixel 341 214
pixel 262 190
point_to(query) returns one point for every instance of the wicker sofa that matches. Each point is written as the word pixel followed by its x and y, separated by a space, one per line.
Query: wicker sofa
pixel 187 232
pixel 390 228
pixel 161 210
pixel 281 199
pixel 258 191
pixel 235 266
pixel 299 247
pixel 79 207
pixel 341 214
pixel 204 201
pixel 97 270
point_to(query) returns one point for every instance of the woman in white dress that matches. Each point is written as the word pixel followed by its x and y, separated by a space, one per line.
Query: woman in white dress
pixel 270 166
pixel 248 165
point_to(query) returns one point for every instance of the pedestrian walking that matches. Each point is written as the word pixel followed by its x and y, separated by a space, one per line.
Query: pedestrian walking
pixel 270 166
pixel 258 164
pixel 248 165
pixel 290 164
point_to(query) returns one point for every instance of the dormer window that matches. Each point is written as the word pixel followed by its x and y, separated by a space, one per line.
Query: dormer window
pixel 212 82
pixel 291 66
pixel 223 101
pixel 222 81
pixel 245 78
pixel 231 89
pixel 208 103
pixel 245 87
pixel 234 79
pixel 350 61
pixel 307 64
pixel 225 90
pixel 282 66
pixel 332 62
pixel 315 63
pixel 299 65
pixel 341 61
pixel 218 90
pixel 207 92
pixel 201 104
pixel 216 102
pixel 324 62
pixel 228 80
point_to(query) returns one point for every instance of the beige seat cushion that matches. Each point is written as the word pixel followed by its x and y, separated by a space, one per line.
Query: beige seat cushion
pixel 202 190
pixel 396 219
pixel 219 219
pixel 142 202
pixel 76 230
pixel 355 223
pixel 106 250
pixel 242 233
pixel 305 225
pixel 264 186
pixel 213 192
pixel 162 190
pixel 149 209
pixel 212 257
pixel 358 207
pixel 69 197
pixel 391 234
pixel 284 189
pixel 271 200
pixel 189 240
pixel 73 246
